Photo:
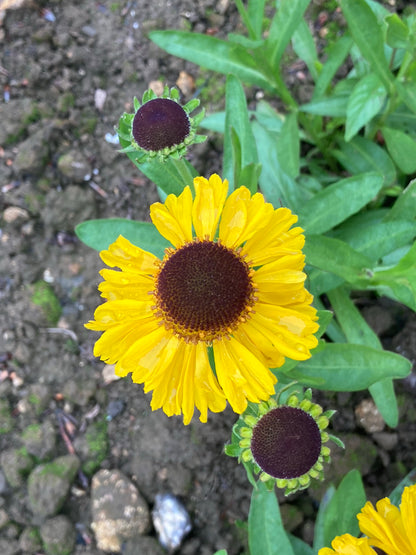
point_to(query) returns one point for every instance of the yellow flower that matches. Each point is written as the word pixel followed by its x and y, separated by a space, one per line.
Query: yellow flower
pixel 348 545
pixel 232 287
pixel 391 529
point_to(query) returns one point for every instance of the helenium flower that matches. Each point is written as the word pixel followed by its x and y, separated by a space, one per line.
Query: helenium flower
pixel 160 126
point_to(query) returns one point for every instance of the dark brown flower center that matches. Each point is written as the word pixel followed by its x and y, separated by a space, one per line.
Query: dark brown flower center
pixel 286 442
pixel 160 123
pixel 203 290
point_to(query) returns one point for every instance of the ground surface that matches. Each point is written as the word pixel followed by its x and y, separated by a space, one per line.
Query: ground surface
pixel 58 168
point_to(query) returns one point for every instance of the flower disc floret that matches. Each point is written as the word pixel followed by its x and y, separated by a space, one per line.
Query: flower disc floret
pixel 203 291
pixel 160 123
pixel 286 442
pixel 160 127
pixel 282 443
pixel 229 293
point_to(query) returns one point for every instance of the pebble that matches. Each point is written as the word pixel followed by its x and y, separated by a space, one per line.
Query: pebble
pixel 100 96
pixel 171 521
pixel 14 213
pixel 119 512
pixel 108 374
pixel 369 417
pixel 48 485
pixel 58 535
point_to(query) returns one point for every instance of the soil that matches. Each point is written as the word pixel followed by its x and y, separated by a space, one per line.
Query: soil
pixel 68 70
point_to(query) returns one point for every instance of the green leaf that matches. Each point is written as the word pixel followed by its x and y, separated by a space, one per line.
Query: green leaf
pixel 212 53
pixel 342 510
pixel 321 282
pixel 384 397
pixel 397 35
pixel 373 237
pixel 407 92
pixel 237 154
pixel 288 146
pixel 352 323
pixel 266 533
pixel 334 106
pixel 304 46
pixel 319 532
pixel 359 332
pixel 367 34
pixel 362 155
pixel 299 546
pixel 249 177
pixel 366 100
pixel 408 480
pixel 339 201
pixel 337 257
pixel 99 234
pixel 214 122
pixel 324 318
pixel 405 206
pixel 221 552
pixel 284 23
pixel 252 17
pixel 402 148
pixel 399 282
pixel 278 187
pixel 337 53
pixel 349 367
pixel 255 11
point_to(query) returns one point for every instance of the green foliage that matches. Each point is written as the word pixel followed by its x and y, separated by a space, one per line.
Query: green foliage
pixel 344 162
pixel 338 510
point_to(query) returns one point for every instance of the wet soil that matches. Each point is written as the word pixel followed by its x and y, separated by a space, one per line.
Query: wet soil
pixel 68 70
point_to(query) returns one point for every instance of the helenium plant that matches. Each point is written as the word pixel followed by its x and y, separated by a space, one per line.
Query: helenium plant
pixel 252 275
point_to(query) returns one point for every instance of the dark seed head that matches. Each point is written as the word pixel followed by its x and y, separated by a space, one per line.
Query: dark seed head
pixel 286 442
pixel 160 123
pixel 204 287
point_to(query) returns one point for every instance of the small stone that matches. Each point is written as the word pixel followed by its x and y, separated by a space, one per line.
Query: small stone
pixel 16 464
pixel 3 483
pixel 369 417
pixel 64 209
pixel 73 166
pixel 58 536
pixel 4 518
pixel 386 440
pixel 14 213
pixel 119 512
pixel 49 484
pixel 109 375
pixel 29 540
pixel 39 396
pixel 185 83
pixel 6 421
pixel 170 520
pixel 40 440
pixel 89 31
pixel 33 153
pixel 9 546
pixel 79 392
pixel 100 96
pixel 157 87
pixel 92 446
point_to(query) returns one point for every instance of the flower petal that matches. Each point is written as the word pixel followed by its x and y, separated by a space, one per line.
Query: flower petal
pixel 243 217
pixel 241 374
pixel 209 200
pixel 125 285
pixel 127 256
pixel 173 219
